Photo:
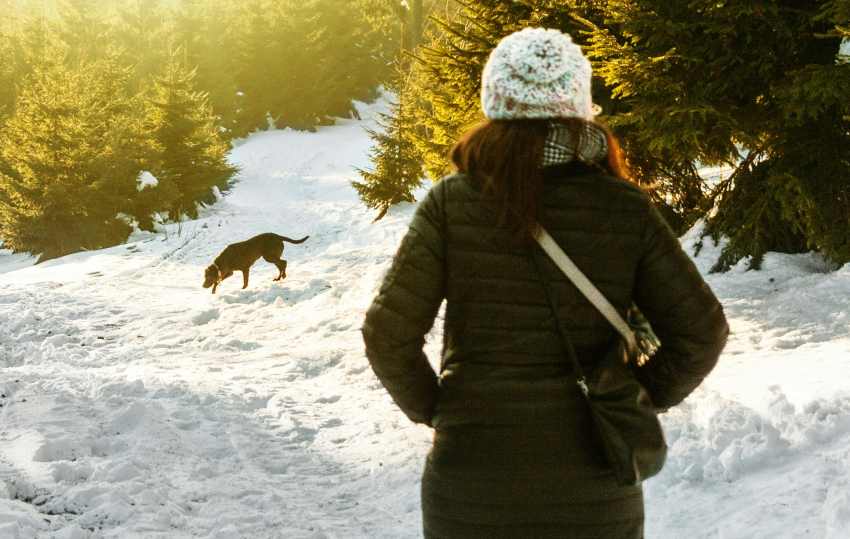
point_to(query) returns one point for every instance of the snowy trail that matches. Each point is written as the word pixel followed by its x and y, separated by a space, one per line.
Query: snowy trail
pixel 140 403
pixel 136 404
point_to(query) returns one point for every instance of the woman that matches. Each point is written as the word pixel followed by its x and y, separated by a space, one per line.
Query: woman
pixel 514 453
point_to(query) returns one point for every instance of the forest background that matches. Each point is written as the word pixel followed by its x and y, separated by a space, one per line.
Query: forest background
pixel 119 114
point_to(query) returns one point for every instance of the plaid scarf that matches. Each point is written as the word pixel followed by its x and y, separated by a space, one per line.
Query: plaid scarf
pixel 560 147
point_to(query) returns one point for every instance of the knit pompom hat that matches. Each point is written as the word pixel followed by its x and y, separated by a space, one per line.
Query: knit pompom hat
pixel 537 73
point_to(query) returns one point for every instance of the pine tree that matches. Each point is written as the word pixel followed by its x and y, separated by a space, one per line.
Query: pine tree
pixel 258 75
pixel 83 27
pixel 383 21
pixel 8 70
pixel 753 86
pixel 351 58
pixel 397 165
pixel 410 15
pixel 297 99
pixel 445 80
pixel 8 76
pixel 69 159
pixel 141 34
pixel 743 85
pixel 192 158
pixel 301 62
pixel 23 41
pixel 207 33
pixel 290 63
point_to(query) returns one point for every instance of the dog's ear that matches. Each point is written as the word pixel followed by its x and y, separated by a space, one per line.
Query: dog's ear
pixel 213 269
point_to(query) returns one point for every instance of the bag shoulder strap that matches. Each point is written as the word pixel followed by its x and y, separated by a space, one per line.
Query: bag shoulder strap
pixel 566 343
pixel 593 295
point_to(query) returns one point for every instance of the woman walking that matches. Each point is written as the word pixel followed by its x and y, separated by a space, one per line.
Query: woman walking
pixel 515 453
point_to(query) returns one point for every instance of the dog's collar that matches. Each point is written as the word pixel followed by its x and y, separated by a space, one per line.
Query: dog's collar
pixel 218 269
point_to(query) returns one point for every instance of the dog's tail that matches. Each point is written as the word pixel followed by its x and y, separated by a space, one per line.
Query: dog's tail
pixel 290 240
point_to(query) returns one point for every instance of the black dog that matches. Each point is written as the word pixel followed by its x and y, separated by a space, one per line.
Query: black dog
pixel 241 256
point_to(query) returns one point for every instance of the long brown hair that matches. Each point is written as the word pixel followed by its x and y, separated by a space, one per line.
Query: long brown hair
pixel 504 157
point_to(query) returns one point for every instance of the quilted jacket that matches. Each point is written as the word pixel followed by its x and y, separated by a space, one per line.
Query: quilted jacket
pixel 502 361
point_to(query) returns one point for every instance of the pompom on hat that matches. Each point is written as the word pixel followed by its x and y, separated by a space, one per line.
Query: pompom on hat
pixel 537 73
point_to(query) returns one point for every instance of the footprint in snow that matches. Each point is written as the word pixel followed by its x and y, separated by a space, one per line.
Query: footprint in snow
pixel 244 346
pixel 331 423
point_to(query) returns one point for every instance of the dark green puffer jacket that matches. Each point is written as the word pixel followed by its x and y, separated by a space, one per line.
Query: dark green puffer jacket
pixel 502 361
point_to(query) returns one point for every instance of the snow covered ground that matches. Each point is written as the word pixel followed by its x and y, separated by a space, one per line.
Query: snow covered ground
pixel 133 403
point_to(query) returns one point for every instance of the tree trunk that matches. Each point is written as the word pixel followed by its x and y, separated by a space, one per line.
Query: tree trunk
pixel 416 22
pixel 412 18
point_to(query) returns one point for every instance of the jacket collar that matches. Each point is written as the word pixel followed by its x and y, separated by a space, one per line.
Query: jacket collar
pixel 566 170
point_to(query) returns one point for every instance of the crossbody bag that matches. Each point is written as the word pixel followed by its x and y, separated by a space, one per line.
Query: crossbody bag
pixel 623 414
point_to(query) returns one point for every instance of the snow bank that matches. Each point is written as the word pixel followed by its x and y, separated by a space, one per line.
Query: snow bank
pixel 10 261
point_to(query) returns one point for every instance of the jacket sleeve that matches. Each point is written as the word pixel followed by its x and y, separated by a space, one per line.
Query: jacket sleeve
pixel 683 311
pixel 404 310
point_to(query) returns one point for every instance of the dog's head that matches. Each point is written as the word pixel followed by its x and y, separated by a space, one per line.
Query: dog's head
pixel 212 275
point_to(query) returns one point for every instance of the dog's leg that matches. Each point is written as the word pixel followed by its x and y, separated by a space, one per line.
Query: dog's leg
pixel 223 277
pixel 281 268
pixel 245 278
pixel 280 264
pixel 215 285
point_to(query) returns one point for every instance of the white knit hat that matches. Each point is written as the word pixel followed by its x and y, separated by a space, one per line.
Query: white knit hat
pixel 537 73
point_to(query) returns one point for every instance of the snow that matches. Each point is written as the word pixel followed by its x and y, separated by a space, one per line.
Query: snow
pixel 146 180
pixel 11 261
pixel 134 403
